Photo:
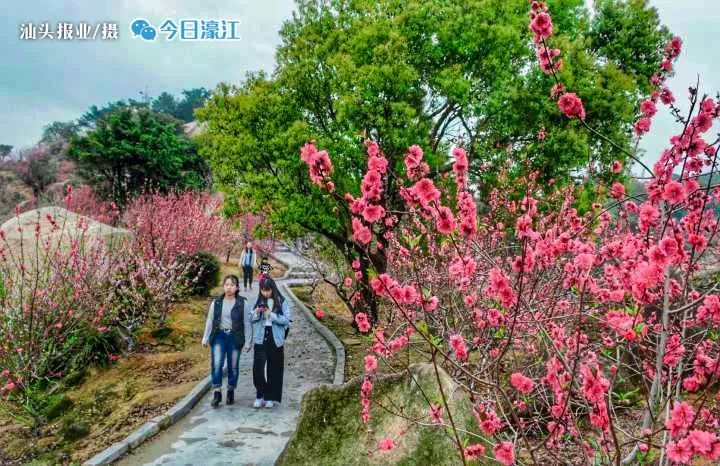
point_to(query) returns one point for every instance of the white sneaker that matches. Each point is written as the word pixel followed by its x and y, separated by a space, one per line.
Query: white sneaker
pixel 258 403
pixel 269 404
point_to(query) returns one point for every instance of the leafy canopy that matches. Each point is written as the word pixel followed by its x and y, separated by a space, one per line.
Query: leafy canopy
pixel 134 149
pixel 435 73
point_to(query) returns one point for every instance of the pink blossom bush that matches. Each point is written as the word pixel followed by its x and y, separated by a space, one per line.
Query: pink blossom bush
pixel 83 200
pixel 52 293
pixel 168 225
pixel 544 315
pixel 58 291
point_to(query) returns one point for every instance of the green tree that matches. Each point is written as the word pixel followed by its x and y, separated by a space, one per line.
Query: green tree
pixel 165 103
pixel 89 119
pixel 63 130
pixel 184 108
pixel 37 169
pixel 56 136
pixel 192 99
pixel 5 150
pixel 435 73
pixel 135 149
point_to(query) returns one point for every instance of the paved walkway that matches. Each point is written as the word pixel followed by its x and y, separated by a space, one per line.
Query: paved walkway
pixel 240 434
pixel 296 263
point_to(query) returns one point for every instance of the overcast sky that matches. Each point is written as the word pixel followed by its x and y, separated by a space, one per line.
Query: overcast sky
pixel 46 80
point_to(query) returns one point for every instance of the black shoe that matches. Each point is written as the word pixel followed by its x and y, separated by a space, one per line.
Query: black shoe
pixel 217 398
pixel 230 397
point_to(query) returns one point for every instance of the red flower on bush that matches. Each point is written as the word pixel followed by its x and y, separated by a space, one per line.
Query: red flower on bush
pixel 361 319
pixel 505 453
pixel 571 105
pixel 541 26
pixel 521 383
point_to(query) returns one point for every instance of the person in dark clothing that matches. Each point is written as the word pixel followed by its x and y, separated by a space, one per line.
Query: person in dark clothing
pixel 264 268
pixel 270 319
pixel 225 333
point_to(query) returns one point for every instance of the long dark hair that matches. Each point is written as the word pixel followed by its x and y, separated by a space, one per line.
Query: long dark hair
pixel 236 282
pixel 268 283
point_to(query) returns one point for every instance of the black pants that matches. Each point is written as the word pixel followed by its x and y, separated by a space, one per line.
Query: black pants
pixel 268 388
pixel 247 275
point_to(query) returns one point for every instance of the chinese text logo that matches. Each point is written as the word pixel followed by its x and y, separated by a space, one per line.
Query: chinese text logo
pixel 187 29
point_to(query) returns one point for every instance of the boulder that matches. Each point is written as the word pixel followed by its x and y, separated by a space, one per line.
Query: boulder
pixel 20 231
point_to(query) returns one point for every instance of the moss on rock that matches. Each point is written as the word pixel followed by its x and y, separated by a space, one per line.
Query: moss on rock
pixel 330 431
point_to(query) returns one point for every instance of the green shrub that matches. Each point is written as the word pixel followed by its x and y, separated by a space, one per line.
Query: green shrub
pixel 83 347
pixel 203 273
pixel 73 429
pixel 56 406
pixel 75 377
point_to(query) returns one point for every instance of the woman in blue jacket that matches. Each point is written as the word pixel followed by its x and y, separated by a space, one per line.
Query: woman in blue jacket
pixel 270 319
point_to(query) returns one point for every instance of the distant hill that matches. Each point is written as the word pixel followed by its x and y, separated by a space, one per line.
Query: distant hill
pixel 12 192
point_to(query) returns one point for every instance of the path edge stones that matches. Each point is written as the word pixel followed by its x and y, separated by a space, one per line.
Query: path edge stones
pixel 329 336
pixel 119 449
pixel 326 333
pixel 159 423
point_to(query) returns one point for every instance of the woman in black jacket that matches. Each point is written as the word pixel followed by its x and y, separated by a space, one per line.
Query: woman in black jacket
pixel 225 333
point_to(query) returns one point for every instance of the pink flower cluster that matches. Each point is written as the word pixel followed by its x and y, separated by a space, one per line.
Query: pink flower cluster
pixel 623 324
pixel 505 453
pixel 542 28
pixel 457 343
pixel 371 363
pixel 521 383
pixel 648 107
pixel 594 388
pixel 533 279
pixel 368 209
pixel 466 207
pixel 499 287
pixel 84 201
pixel 571 105
pixel 361 319
pixel 688 443
pixel 319 165
pixel 415 167
pixel 366 389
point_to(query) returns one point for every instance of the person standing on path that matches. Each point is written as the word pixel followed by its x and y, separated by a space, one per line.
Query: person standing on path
pixel 270 319
pixel 246 263
pixel 225 333
pixel 264 268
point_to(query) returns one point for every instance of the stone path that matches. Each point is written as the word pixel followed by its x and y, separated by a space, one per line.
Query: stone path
pixel 240 434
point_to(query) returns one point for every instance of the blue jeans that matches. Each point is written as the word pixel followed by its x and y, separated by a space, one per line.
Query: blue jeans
pixel 223 346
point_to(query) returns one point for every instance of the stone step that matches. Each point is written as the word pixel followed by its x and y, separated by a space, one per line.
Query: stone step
pixel 301 275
